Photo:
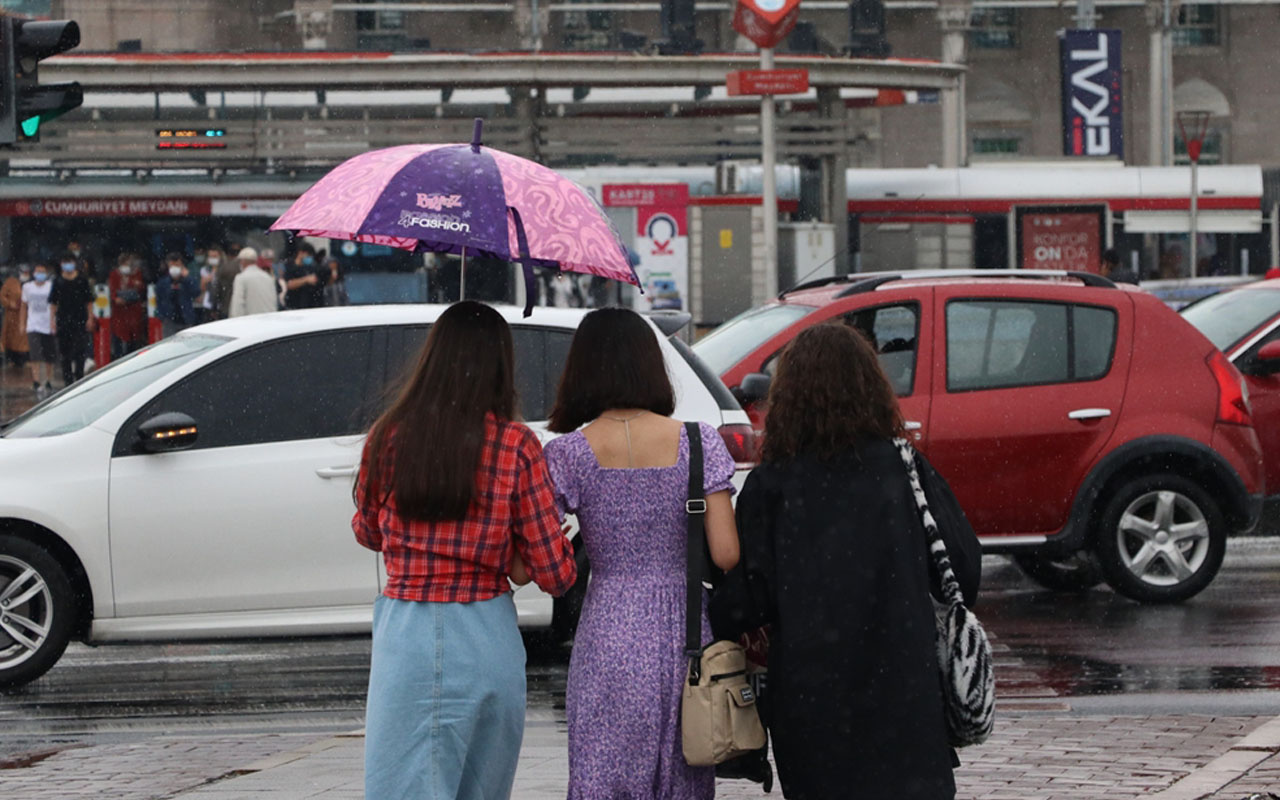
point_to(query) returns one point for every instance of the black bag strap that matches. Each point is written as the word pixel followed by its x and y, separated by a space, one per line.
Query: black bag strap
pixel 696 508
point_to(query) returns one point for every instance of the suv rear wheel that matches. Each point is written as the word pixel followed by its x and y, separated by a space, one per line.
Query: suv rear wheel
pixel 1161 539
pixel 1077 572
pixel 37 612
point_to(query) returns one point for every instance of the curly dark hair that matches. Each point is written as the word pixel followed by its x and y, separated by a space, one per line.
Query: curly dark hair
pixel 828 392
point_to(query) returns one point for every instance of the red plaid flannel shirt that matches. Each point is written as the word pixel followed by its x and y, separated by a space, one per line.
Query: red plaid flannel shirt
pixel 466 560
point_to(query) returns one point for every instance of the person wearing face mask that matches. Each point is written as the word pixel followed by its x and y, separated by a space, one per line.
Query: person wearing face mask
pixel 71 303
pixel 176 295
pixel 38 323
pixel 305 280
pixel 13 340
pixel 128 290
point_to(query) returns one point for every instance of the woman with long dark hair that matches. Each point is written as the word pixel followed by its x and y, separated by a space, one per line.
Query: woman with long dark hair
pixel 454 493
pixel 626 476
pixel 836 559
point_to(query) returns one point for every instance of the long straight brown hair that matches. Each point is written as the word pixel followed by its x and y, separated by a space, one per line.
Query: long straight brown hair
pixel 436 425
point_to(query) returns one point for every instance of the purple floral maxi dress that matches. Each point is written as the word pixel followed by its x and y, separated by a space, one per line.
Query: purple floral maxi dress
pixel 627 667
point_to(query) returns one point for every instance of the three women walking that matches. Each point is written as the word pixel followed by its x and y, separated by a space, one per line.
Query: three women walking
pixel 462 502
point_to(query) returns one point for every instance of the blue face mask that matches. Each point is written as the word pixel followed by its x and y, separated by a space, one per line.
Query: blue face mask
pixel 308 261
pixel 68 268
pixel 41 277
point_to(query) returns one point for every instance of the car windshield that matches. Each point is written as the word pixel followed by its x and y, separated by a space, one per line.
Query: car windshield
pixel 82 403
pixel 1228 317
pixel 732 341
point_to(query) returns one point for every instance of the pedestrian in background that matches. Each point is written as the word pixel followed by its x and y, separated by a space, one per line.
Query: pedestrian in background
pixel 176 293
pixel 836 559
pixel 13 339
pixel 254 288
pixel 128 291
pixel 305 280
pixel 454 493
pixel 1112 268
pixel 205 305
pixel 38 323
pixel 225 269
pixel 626 476
pixel 335 291
pixel 71 303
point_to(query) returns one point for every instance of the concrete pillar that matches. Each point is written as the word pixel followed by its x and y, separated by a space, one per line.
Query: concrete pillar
pixel 527 109
pixel 1160 72
pixel 532 18
pixel 835 190
pixel 954 16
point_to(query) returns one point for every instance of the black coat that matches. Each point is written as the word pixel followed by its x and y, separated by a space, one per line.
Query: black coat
pixel 835 558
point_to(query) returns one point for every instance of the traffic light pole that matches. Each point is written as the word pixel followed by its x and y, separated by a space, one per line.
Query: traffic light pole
pixel 769 189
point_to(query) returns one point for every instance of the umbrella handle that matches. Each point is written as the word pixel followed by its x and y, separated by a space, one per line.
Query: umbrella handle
pixel 522 241
pixel 475 135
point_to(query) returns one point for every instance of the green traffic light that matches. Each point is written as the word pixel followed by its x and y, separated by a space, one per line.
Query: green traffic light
pixel 31 126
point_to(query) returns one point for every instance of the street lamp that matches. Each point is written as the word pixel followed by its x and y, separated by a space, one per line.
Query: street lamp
pixel 1193 126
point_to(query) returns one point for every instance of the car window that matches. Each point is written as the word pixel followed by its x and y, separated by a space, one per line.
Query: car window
pixel 995 344
pixel 305 387
pixel 85 401
pixel 1227 317
pixel 737 338
pixel 540 355
pixel 893 330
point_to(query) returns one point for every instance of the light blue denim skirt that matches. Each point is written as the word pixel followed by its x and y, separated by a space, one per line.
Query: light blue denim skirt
pixel 445 714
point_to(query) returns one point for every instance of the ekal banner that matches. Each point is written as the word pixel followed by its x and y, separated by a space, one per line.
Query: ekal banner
pixel 1092 115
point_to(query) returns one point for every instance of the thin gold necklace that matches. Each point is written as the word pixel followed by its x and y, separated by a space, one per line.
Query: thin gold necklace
pixel 626 425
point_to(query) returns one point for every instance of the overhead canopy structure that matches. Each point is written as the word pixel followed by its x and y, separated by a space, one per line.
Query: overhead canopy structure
pixel 135 72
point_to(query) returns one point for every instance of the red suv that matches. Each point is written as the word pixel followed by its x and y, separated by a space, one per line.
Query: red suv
pixel 1087 429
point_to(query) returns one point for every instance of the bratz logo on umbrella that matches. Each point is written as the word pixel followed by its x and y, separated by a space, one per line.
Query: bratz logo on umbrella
pixel 439 202
pixel 409 219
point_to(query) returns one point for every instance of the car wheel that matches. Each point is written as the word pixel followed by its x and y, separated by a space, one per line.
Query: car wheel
pixel 1160 539
pixel 1074 573
pixel 36 611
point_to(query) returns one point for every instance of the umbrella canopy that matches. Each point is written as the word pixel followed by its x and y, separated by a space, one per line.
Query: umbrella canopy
pixel 463 199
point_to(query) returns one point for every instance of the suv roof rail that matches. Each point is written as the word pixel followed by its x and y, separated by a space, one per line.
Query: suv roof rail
pixel 670 322
pixel 868 281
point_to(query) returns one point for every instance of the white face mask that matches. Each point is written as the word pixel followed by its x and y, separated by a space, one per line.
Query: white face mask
pixel 125 269
pixel 214 261
pixel 175 272
pixel 24 277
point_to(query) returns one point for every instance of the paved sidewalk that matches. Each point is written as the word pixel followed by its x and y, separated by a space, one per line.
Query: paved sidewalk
pixel 1033 755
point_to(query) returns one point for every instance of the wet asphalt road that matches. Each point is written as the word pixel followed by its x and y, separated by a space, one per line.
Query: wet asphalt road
pixel 1087 653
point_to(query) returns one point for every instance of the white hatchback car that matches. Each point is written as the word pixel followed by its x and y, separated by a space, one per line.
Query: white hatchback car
pixel 201 488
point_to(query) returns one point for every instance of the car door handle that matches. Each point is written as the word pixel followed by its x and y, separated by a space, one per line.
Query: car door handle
pixel 1089 413
pixel 336 472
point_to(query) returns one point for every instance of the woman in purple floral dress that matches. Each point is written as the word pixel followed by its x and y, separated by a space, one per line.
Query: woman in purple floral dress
pixel 626 476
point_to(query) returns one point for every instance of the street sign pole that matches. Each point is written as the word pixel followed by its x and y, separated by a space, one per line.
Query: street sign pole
pixel 769 189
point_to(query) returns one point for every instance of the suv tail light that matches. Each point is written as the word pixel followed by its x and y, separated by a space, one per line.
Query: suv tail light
pixel 741 441
pixel 1233 395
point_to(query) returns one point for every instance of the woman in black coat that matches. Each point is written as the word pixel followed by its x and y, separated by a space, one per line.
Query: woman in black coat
pixel 835 558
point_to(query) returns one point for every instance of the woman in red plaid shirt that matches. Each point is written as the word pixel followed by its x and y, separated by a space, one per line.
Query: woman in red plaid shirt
pixel 455 495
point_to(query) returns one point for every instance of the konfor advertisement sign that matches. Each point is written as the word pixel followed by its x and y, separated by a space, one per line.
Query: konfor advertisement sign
pixel 1060 237
pixel 1092 108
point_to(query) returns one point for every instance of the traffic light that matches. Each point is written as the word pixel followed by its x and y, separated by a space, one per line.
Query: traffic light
pixel 25 104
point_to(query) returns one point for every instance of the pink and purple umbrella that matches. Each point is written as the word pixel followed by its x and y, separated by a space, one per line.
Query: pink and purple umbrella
pixel 463 199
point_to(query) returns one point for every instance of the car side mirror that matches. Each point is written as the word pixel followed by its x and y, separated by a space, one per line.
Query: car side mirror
pixel 167 433
pixel 753 388
pixel 1267 360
